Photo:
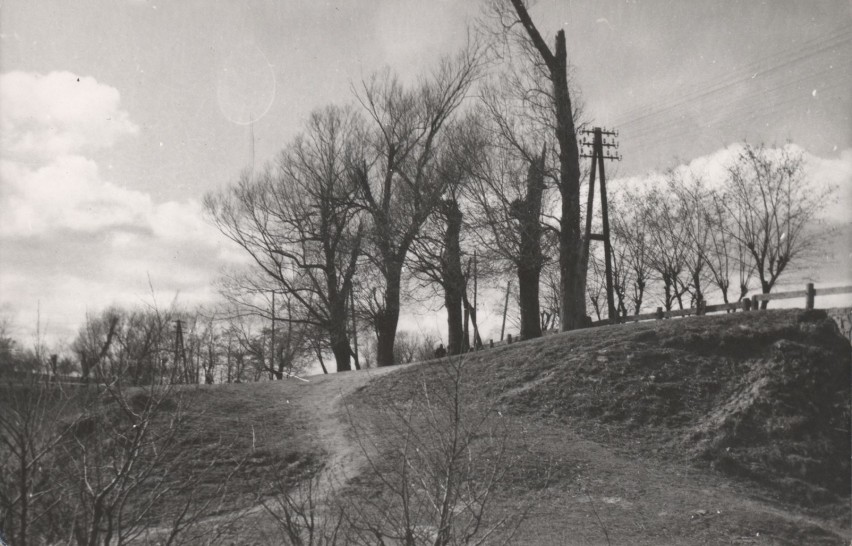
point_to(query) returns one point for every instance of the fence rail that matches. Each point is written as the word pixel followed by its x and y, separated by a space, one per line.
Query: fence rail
pixel 747 304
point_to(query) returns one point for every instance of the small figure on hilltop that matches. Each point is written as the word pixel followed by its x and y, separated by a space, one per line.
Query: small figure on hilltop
pixel 440 352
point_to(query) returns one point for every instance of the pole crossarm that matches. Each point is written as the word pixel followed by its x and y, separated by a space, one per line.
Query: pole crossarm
pixel 597 146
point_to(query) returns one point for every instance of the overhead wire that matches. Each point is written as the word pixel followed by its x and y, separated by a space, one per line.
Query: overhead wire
pixel 699 90
pixel 676 120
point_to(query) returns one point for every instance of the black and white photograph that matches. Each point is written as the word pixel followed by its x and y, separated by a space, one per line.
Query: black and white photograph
pixel 425 272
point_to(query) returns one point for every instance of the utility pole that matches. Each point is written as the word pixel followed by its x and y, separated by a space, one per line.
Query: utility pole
pixel 275 374
pixel 354 327
pixel 505 309
pixel 477 341
pixel 180 353
pixel 598 144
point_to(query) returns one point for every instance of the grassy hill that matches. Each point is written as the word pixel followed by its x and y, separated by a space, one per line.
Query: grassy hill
pixel 731 429
pixel 725 429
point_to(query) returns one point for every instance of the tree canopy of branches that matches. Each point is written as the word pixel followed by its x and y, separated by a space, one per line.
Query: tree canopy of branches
pixel 297 221
pixel 506 192
pixel 399 184
pixel 771 204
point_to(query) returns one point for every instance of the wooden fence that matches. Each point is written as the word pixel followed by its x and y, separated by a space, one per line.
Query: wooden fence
pixel 747 304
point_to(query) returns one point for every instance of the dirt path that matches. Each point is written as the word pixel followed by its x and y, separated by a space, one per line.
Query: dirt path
pixel 322 403
pixel 299 416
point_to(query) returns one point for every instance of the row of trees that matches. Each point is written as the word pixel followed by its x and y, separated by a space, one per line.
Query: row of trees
pixel 474 172
pixel 687 237
pixel 404 183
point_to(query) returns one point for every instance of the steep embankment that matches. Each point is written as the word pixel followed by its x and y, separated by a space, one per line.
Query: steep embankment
pixel 724 429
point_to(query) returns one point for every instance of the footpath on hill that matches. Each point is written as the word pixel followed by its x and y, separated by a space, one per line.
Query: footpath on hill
pixel 707 430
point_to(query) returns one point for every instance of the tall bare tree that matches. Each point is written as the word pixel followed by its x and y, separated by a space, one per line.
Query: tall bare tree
pixel 630 228
pixel 772 206
pixel 398 182
pixel 297 221
pixel 554 63
pixel 691 199
pixel 506 192
pixel 668 247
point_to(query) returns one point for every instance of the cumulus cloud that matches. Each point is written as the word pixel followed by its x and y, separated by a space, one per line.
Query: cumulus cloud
pixel 66 193
pixel 827 173
pixel 59 113
pixel 73 240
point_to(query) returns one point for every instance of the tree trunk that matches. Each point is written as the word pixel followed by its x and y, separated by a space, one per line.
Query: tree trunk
pixel 453 277
pixel 572 272
pixel 572 269
pixel 339 337
pixel 388 318
pixel 528 213
pixel 342 354
pixel 528 289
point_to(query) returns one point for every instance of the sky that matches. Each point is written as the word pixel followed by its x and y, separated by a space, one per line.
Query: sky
pixel 117 116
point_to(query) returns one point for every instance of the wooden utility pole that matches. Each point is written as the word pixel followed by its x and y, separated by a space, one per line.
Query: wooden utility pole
pixel 505 309
pixel 274 373
pixel 477 341
pixel 354 327
pixel 180 353
pixel 597 155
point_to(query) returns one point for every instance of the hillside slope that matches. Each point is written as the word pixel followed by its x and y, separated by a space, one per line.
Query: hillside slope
pixel 706 430
pixel 731 429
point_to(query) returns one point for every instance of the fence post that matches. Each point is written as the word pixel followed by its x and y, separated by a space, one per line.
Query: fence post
pixel 508 339
pixel 810 295
pixel 660 313
pixel 755 305
pixel 746 302
pixel 490 343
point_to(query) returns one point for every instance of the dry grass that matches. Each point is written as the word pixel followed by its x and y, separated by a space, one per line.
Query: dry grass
pixel 726 429
pixel 709 430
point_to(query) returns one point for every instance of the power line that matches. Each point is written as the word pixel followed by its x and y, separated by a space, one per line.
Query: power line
pixel 711 87
pixel 762 101
pixel 737 116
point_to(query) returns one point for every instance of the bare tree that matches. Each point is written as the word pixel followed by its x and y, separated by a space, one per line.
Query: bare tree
pixel 691 200
pixel 631 233
pixel 726 252
pixel 297 222
pixel 440 471
pixel 439 250
pixel 399 186
pixel 134 345
pixel 772 207
pixel 31 428
pixel 554 64
pixel 509 206
pixel 668 248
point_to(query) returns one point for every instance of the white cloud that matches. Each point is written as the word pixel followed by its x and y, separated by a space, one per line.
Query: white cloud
pixel 73 241
pixel 66 193
pixel 59 113
pixel 835 173
pixel 713 168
